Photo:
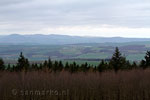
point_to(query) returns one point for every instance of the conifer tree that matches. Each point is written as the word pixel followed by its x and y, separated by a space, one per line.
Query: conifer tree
pixel 102 66
pixel 34 66
pixel 84 67
pixel 94 69
pixel 8 67
pixel 55 66
pixel 45 65
pixel 143 64
pixel 117 61
pixel 66 66
pixel 146 62
pixel 41 66
pixel 73 67
pixel 14 68
pixel 134 65
pixel 60 66
pixel 147 59
pixel 23 62
pixel 50 64
pixel 2 66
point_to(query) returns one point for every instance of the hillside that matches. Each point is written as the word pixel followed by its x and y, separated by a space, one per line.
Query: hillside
pixel 39 39
pixel 91 52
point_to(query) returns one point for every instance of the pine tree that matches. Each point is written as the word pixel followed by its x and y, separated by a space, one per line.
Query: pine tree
pixel 41 66
pixel 134 65
pixel 55 66
pixel 23 63
pixel 14 68
pixel 2 66
pixel 34 66
pixel 84 67
pixel 143 64
pixel 50 64
pixel 147 59
pixel 146 62
pixel 8 67
pixel 94 69
pixel 102 66
pixel 67 66
pixel 73 67
pixel 60 66
pixel 127 65
pixel 45 65
pixel 117 61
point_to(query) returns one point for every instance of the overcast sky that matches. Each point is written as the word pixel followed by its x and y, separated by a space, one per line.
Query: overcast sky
pixel 107 18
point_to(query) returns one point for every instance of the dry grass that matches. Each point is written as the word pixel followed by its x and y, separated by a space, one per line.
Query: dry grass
pixel 125 85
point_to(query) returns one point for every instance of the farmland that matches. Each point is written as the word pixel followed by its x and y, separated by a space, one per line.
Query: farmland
pixel 84 52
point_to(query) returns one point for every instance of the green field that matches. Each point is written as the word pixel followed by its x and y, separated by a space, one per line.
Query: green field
pixel 131 51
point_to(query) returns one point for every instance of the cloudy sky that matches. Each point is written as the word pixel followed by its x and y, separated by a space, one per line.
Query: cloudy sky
pixel 107 18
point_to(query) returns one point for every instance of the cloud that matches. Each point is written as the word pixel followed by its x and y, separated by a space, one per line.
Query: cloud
pixel 21 16
pixel 12 2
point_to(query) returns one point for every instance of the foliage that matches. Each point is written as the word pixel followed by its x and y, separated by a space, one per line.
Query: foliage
pixel 23 63
pixel 117 62
pixel 2 66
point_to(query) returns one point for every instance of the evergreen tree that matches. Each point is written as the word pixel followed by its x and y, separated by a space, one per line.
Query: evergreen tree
pixel 143 64
pixel 94 69
pixel 73 67
pixel 84 67
pixel 34 66
pixel 55 66
pixel 147 59
pixel 41 66
pixel 146 62
pixel 14 68
pixel 50 64
pixel 60 66
pixel 45 65
pixel 117 61
pixel 2 66
pixel 67 66
pixel 23 63
pixel 127 65
pixel 134 65
pixel 102 66
pixel 76 66
pixel 8 67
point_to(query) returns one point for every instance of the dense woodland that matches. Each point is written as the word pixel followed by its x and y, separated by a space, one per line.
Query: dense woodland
pixel 117 62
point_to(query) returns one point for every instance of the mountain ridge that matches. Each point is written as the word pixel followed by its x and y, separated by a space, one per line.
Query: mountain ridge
pixel 54 39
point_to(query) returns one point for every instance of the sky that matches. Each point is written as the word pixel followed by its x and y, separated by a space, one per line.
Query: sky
pixel 104 18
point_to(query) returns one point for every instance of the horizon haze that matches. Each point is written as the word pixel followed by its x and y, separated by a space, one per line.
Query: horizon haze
pixel 54 39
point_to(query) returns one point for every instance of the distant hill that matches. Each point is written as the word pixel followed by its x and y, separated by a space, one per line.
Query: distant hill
pixel 62 39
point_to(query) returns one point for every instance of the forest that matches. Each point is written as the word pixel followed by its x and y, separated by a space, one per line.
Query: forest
pixel 116 79
pixel 117 62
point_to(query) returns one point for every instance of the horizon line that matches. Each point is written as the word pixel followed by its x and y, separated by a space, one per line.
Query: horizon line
pixel 73 35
